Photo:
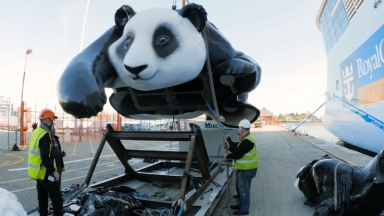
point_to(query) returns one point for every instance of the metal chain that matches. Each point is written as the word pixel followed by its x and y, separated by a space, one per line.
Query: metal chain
pixel 214 101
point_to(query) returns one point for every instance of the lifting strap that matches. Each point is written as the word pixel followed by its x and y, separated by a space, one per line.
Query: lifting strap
pixel 223 130
pixel 216 114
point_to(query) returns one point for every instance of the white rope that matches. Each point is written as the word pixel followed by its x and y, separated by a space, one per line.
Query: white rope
pixel 216 109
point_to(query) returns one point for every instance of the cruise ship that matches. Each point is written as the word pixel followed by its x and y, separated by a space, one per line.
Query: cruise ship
pixel 353 35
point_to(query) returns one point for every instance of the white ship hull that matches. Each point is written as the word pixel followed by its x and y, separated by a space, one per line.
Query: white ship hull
pixel 354 110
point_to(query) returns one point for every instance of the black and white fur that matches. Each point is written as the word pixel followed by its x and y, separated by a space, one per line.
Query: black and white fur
pixel 146 57
pixel 159 48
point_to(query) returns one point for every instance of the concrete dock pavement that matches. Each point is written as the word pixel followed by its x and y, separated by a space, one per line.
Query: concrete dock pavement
pixel 14 174
pixel 339 152
pixel 281 155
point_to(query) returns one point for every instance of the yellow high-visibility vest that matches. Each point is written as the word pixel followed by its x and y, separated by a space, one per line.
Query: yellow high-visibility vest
pixel 251 159
pixel 36 170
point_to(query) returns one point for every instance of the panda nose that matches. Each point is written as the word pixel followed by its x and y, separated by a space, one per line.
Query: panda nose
pixel 135 70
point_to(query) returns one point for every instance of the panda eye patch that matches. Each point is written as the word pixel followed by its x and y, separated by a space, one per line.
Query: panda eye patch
pixel 164 40
pixel 124 46
pixel 127 43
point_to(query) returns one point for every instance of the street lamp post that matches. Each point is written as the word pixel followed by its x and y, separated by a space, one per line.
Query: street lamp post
pixel 29 51
pixel 9 113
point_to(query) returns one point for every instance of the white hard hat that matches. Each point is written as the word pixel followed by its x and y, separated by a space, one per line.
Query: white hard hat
pixel 245 123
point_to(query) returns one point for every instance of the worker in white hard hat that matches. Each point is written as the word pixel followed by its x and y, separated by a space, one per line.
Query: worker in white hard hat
pixel 245 161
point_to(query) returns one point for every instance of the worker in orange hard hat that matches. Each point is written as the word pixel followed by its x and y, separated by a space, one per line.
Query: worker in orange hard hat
pixel 45 164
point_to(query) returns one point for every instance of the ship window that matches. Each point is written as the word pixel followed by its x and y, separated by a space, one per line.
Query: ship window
pixel 326 38
pixel 340 11
pixel 325 33
pixel 333 24
pixel 342 14
pixel 337 84
pixel 326 13
pixel 339 32
pixel 336 22
pixel 344 24
pixel 327 16
pixel 333 40
pixel 322 21
pixel 331 30
pixel 329 24
pixel 331 5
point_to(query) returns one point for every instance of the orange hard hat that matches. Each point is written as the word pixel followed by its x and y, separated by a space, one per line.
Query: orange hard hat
pixel 47 113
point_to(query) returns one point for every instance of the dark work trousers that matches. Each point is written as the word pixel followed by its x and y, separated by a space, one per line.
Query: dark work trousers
pixel 47 188
pixel 245 180
pixel 237 183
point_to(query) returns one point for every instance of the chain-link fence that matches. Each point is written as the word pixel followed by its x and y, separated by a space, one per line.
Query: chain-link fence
pixel 8 124
pixel 70 129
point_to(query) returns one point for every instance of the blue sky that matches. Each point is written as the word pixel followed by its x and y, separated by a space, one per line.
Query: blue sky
pixel 280 35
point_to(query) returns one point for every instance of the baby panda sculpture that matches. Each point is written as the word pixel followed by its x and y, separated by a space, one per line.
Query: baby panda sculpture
pixel 338 188
pixel 155 61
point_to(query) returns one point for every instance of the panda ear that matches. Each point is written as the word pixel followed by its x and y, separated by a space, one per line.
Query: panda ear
pixel 123 15
pixel 196 14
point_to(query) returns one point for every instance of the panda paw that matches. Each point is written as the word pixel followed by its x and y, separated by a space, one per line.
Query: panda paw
pixel 80 91
pixel 236 66
pixel 90 106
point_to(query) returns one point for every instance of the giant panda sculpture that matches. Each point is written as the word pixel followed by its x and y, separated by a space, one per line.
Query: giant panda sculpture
pixel 339 188
pixel 155 61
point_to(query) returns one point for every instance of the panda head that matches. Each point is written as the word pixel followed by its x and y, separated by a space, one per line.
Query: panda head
pixel 159 47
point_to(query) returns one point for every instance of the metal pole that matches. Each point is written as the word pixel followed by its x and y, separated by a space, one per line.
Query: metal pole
pixel 17 124
pixel 25 65
pixel 118 122
pixel 29 51
pixel 9 108
pixel 22 138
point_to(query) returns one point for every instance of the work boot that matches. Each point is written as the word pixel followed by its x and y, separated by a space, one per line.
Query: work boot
pixel 235 207
pixel 240 213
